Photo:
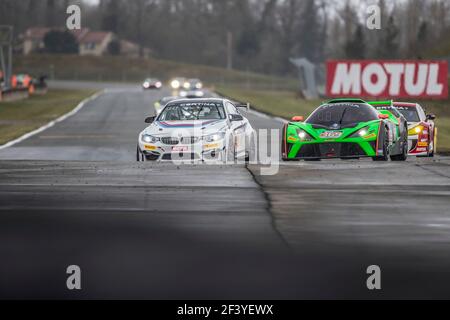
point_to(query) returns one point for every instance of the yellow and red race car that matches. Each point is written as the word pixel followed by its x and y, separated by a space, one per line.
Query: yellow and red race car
pixel 422 132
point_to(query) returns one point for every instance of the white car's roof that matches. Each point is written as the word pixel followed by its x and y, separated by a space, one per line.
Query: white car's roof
pixel 199 100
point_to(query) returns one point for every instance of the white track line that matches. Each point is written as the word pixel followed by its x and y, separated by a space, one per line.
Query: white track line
pixel 52 123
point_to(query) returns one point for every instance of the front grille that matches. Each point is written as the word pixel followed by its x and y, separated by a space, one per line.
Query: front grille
pixel 152 156
pixel 189 140
pixel 183 140
pixel 330 150
pixel 170 141
pixel 309 151
pixel 351 149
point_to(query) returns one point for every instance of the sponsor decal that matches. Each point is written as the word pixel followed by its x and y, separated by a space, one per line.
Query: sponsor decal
pixel 422 144
pixel 180 149
pixel 369 136
pixel 149 147
pixel 387 78
pixel 331 134
pixel 211 146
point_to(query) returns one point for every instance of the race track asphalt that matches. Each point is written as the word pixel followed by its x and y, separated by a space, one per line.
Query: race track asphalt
pixel 73 194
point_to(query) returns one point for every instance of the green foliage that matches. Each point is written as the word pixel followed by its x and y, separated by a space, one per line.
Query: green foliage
pixel 355 47
pixel 388 44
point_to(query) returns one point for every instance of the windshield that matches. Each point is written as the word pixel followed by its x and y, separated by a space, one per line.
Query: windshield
pixel 410 113
pixel 193 111
pixel 337 116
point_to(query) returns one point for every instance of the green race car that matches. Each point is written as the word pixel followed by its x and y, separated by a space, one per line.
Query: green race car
pixel 346 129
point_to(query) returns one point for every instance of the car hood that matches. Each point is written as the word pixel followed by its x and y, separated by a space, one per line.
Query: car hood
pixel 186 128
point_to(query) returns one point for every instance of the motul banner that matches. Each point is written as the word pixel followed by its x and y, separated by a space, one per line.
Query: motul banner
pixel 387 79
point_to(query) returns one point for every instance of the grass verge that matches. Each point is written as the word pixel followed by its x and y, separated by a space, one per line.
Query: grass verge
pixel 287 104
pixel 112 68
pixel 283 104
pixel 20 117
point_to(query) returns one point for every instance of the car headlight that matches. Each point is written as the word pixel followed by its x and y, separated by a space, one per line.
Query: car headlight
pixel 199 85
pixel 199 94
pixel 364 132
pixel 175 84
pixel 186 85
pixel 146 84
pixel 303 135
pixel 215 137
pixel 149 139
pixel 158 84
pixel 183 94
pixel 416 130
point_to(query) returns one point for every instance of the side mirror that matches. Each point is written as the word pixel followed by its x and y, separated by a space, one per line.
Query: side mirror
pixel 383 116
pixel 431 116
pixel 150 119
pixel 236 117
pixel 298 119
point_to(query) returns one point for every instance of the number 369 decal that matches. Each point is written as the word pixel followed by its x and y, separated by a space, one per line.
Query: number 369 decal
pixel 331 134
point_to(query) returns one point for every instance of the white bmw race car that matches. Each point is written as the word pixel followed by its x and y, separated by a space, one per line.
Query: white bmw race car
pixel 197 129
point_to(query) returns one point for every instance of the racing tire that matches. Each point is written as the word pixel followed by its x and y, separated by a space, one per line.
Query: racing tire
pixel 431 154
pixel 229 152
pixel 139 156
pixel 385 156
pixel 403 156
pixel 250 155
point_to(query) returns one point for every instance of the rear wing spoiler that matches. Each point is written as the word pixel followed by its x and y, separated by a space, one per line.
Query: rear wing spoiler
pixel 345 100
pixel 389 103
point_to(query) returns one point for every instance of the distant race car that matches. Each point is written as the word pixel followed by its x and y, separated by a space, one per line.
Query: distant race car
pixel 177 83
pixel 151 83
pixel 346 129
pixel 160 104
pixel 201 129
pixel 422 140
pixel 192 88
pixel 192 84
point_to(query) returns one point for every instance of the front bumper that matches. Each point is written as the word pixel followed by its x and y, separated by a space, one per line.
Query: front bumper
pixel 180 152
pixel 418 147
pixel 331 150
